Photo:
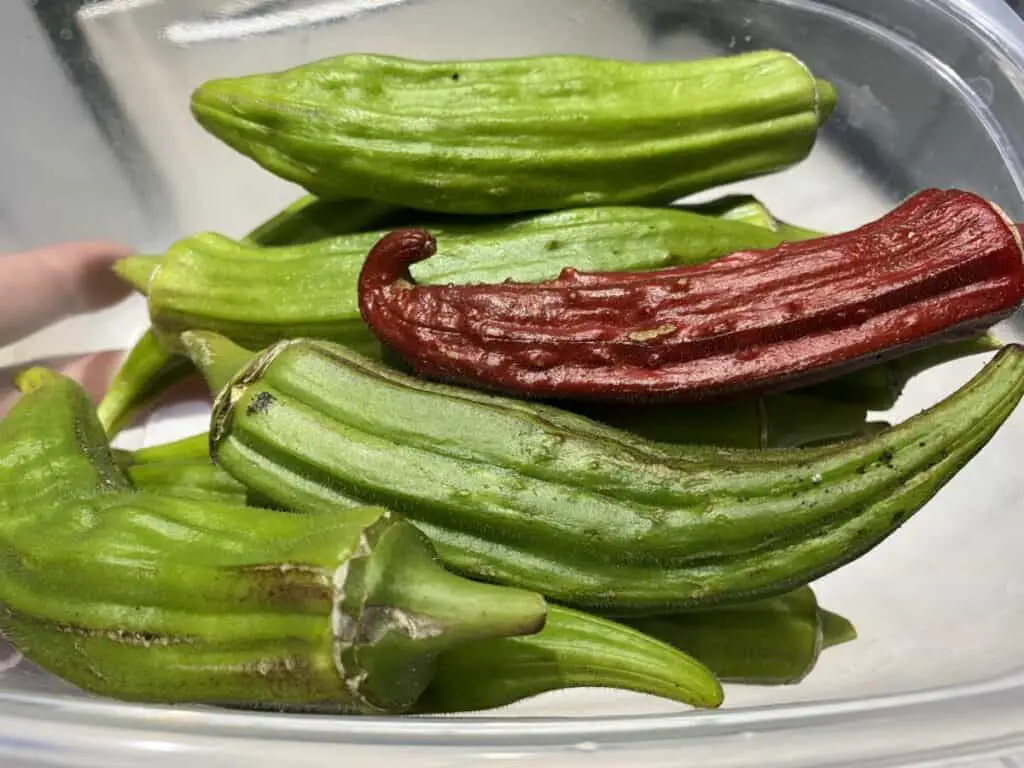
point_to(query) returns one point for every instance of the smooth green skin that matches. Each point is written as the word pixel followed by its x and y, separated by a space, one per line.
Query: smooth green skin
pixel 145 596
pixel 198 479
pixel 149 370
pixel 590 516
pixel 257 296
pixel 527 134
pixel 835 629
pixel 878 387
pixel 775 641
pixel 788 420
pixel 193 447
pixel 309 219
pixel 574 650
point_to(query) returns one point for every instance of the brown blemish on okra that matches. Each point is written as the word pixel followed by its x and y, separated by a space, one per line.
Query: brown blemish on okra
pixel 290 584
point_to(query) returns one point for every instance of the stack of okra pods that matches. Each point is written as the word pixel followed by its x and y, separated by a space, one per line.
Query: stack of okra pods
pixel 494 413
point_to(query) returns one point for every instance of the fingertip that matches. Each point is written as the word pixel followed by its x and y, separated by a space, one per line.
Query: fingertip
pixel 84 275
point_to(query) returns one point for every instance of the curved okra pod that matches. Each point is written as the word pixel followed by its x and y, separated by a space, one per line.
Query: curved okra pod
pixel 187 288
pixel 944 265
pixel 148 371
pixel 574 650
pixel 775 641
pixel 144 596
pixel 259 295
pixel 507 490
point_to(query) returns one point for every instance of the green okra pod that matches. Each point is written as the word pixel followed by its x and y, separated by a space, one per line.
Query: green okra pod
pixel 151 597
pixel 188 478
pixel 185 285
pixel 575 649
pixel 309 219
pixel 148 371
pixel 774 641
pixel 527 134
pixel 152 367
pixel 258 295
pixel 788 420
pixel 533 496
pixel 878 387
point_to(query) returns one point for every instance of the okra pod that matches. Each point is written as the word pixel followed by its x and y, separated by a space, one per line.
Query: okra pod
pixel 944 265
pixel 532 496
pixel 511 135
pixel 149 597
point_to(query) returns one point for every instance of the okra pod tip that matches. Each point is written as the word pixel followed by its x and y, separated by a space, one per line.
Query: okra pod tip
pixel 138 270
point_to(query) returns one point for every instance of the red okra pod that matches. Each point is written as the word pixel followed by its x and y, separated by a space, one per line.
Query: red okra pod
pixel 943 265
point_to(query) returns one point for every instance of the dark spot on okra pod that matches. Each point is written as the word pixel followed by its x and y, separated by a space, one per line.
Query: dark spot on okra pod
pixel 261 402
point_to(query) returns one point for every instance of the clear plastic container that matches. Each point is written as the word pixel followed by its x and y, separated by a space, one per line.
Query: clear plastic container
pixel 97 140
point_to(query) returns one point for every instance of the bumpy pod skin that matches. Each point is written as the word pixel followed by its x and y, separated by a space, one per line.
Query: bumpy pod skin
pixel 574 650
pixel 258 295
pixel 537 133
pixel 529 495
pixel 143 596
pixel 942 265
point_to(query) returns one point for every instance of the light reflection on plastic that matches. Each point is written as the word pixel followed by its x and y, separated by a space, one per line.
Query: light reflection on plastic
pixel 155 745
pixel 505 755
pixel 108 7
pixel 188 32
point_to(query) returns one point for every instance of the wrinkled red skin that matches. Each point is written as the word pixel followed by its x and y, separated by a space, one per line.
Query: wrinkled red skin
pixel 942 265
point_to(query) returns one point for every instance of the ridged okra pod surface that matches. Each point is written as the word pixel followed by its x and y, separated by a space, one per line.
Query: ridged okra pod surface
pixel 575 649
pixel 258 295
pixel 536 133
pixel 152 597
pixel 529 495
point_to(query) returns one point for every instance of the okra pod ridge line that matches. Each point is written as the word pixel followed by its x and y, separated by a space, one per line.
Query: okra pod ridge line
pixel 527 494
pixel 944 265
pixel 495 137
pixel 161 598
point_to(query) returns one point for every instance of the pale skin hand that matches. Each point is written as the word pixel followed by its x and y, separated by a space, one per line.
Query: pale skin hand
pixel 42 286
